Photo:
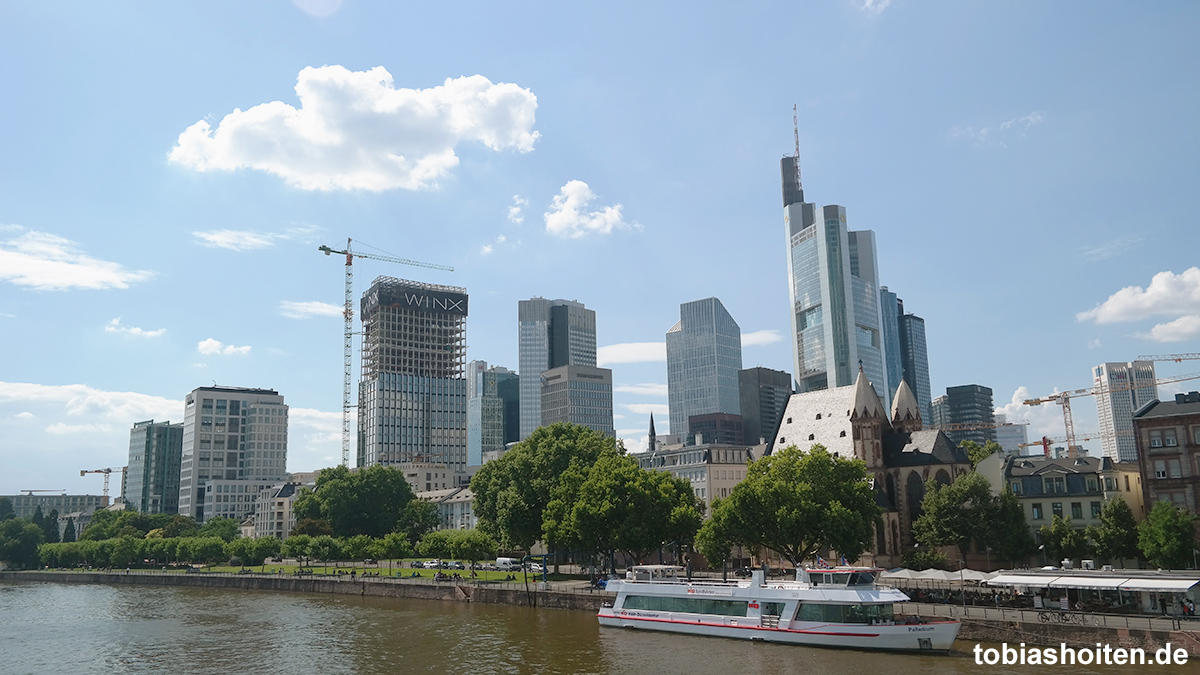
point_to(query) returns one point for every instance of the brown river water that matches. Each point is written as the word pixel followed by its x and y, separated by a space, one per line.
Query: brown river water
pixel 78 629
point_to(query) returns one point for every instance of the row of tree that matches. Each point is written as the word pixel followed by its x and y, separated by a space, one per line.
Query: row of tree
pixel 1166 538
pixel 20 537
pixel 372 502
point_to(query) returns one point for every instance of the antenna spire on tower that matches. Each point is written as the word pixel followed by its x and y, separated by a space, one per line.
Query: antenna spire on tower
pixel 796 133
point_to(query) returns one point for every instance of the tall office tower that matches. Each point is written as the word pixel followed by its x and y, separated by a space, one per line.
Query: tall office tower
pixel 578 395
pixel 890 309
pixel 914 359
pixel 1010 436
pixel 233 437
pixel 1128 386
pixel 763 395
pixel 966 404
pixel 412 397
pixel 833 280
pixel 552 333
pixel 704 355
pixel 492 409
pixel 151 478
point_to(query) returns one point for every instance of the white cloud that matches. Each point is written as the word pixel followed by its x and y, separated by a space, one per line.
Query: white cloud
pixel 47 262
pixel 996 136
pixel 211 346
pixel 514 211
pixel 488 248
pixel 79 399
pixel 874 7
pixel 1183 328
pixel 569 216
pixel 1168 294
pixel 1094 344
pixel 60 429
pixel 355 131
pixel 635 443
pixel 644 389
pixel 647 408
pixel 761 337
pixel 115 326
pixel 308 309
pixel 1110 249
pixel 235 240
pixel 24 416
pixel 1044 420
pixel 631 352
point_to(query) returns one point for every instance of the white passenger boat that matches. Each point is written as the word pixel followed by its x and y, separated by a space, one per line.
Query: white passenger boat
pixel 837 607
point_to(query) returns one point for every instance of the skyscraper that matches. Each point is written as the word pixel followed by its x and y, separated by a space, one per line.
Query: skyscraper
pixel 492 410
pixel 412 397
pixel 234 440
pixel 914 359
pixel 763 394
pixel 578 395
pixel 704 355
pixel 152 474
pixel 551 333
pixel 1127 387
pixel 890 309
pixel 833 280
pixel 966 404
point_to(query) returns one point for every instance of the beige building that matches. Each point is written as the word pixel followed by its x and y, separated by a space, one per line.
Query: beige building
pixel 711 469
pixel 426 476
pixel 273 514
pixel 456 507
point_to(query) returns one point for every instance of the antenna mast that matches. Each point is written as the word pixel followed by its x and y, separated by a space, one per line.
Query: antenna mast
pixel 796 133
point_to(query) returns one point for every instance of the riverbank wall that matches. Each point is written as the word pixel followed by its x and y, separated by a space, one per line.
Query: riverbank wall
pixel 384 587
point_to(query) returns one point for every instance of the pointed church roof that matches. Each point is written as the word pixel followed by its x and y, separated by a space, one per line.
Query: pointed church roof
pixel 866 401
pixel 905 404
pixel 652 424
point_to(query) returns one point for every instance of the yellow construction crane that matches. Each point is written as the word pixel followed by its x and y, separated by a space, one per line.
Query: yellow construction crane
pixel 348 314
pixel 106 472
pixel 1064 399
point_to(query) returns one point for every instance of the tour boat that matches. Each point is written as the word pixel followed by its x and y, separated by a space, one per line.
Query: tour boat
pixel 835 607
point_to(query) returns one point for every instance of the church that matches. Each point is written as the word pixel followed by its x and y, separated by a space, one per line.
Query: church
pixel 901 455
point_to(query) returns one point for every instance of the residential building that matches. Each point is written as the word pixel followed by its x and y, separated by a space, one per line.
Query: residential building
pixel 236 435
pixel 1122 388
pixel 456 510
pixel 24 506
pixel 720 428
pixel 151 478
pixel 273 513
pixel 704 355
pixel 1011 436
pixel 1168 450
pixel 762 395
pixel 551 334
pixel 833 283
pixel 493 410
pixel 412 396
pixel 901 456
pixel 424 476
pixel 969 404
pixel 578 395
pixel 712 469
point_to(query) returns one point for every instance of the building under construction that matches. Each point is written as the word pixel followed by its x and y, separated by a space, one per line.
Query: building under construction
pixel 412 396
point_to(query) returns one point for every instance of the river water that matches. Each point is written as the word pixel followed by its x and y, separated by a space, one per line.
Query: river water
pixel 78 629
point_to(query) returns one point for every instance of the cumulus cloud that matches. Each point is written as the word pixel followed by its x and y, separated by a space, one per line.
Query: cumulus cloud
pixel 998 135
pixel 569 215
pixel 514 211
pixel 24 416
pixel 631 352
pixel 115 326
pixel 633 442
pixel 211 346
pixel 309 309
pixel 644 389
pixel 1168 294
pixel 60 429
pixel 355 131
pixel 121 407
pixel 47 262
pixel 761 337
pixel 1183 328
pixel 1095 343
pixel 488 248
pixel 1044 420
pixel 647 408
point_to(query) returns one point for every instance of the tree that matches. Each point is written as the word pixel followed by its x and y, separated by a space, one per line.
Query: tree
pixel 124 551
pixel 392 546
pixel 6 509
pixel 1116 537
pixel 955 514
pixel 313 527
pixel 19 541
pixel 226 529
pixel 325 548
pixel 357 547
pixel 418 518
pixel 297 547
pixel 977 453
pixel 925 559
pixel 1167 536
pixel 69 531
pixel 368 502
pixel 1063 541
pixel 436 544
pixel 50 526
pixel 716 542
pixel 511 493
pixel 473 545
pixel 797 503
pixel 265 547
pixel 1008 532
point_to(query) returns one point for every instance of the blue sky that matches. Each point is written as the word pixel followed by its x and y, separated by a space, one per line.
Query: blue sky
pixel 1029 170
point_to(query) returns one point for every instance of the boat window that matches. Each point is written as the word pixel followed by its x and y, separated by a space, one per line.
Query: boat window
pixel 772 608
pixel 862 579
pixel 809 611
pixel 688 605
pixel 829 579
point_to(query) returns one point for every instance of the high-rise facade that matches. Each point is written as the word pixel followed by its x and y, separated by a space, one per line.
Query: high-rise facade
pixel 914 359
pixel 412 396
pixel 1010 436
pixel 1124 387
pixel 704 355
pixel 235 436
pixel 152 472
pixel 969 404
pixel 763 394
pixel 551 334
pixel 833 283
pixel 492 410
pixel 890 309
pixel 578 395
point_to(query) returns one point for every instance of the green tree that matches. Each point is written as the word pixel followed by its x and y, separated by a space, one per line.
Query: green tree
pixel 1166 538
pixel 297 547
pixel 511 493
pixel 357 547
pixel 925 559
pixel 473 545
pixel 437 544
pixel 265 547
pixel 69 531
pixel 977 453
pixel 50 526
pixel 125 550
pixel 1063 541
pixel 239 551
pixel 716 542
pixel 418 518
pixel 392 546
pixel 312 527
pixel 325 548
pixel 19 541
pixel 1008 532
pixel 1116 537
pixel 956 514
pixel 226 529
pixel 797 503
pixel 368 502
pixel 6 509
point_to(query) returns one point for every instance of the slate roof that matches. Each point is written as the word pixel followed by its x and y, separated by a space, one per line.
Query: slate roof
pixel 917 448
pixel 1035 466
pixel 1184 404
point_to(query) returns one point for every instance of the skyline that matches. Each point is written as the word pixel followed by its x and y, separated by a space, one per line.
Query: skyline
pixel 170 172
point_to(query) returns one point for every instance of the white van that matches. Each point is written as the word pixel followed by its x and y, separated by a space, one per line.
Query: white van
pixel 508 564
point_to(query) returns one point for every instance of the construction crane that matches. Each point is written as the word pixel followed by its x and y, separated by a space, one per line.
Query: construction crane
pixel 348 314
pixel 970 426
pixel 30 492
pixel 1064 399
pixel 1177 358
pixel 107 472
pixel 1046 441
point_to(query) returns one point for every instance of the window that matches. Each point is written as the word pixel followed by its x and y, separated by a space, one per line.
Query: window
pixel 1037 512
pixel 1055 485
pixel 1160 471
pixel 1169 438
pixel 1109 483
pixel 1016 487
pixel 1095 509
pixel 1174 468
pixel 1056 509
pixel 1196 435
pixel 1127 483
pixel 1076 510
pixel 1156 440
pixel 1092 484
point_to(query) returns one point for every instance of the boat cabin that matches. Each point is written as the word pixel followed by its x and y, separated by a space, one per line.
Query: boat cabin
pixel 861 576
pixel 653 573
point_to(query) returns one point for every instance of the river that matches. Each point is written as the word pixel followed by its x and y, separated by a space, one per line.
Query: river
pixel 77 629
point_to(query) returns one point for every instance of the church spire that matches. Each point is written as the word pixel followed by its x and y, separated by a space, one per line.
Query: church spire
pixel 653 444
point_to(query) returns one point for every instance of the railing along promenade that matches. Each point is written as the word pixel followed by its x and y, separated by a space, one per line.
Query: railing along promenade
pixel 1049 617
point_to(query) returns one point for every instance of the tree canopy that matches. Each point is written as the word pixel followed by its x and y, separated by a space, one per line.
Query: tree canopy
pixel 977 453
pixel 1167 536
pixel 370 501
pixel 798 503
pixel 1116 538
pixel 956 514
pixel 1063 541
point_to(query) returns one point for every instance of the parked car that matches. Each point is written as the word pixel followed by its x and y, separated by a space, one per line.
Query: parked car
pixel 536 568
pixel 490 567
pixel 433 564
pixel 368 561
pixel 417 564
pixel 455 565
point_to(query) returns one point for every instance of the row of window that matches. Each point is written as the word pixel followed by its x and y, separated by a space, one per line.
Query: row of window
pixel 1057 509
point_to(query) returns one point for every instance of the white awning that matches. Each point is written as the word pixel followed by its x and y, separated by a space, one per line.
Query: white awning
pixel 1020 580
pixel 1096 583
pixel 1159 585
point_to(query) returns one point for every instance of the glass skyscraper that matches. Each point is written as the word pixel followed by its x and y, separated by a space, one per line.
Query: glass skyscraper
pixel 551 333
pixel 914 360
pixel 152 476
pixel 492 410
pixel 704 355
